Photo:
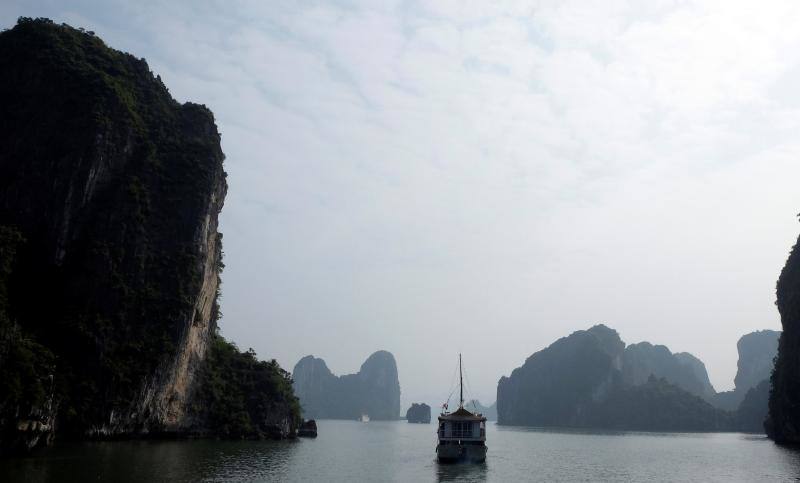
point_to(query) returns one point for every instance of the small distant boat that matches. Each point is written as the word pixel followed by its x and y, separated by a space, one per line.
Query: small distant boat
pixel 462 434
pixel 364 418
pixel 308 429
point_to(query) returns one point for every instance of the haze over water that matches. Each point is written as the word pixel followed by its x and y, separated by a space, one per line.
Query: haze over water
pixel 519 170
pixel 398 451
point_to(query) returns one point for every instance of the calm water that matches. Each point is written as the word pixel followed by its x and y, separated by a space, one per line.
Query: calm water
pixel 398 451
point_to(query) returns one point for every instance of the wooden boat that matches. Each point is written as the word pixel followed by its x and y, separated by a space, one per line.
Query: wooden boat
pixel 462 434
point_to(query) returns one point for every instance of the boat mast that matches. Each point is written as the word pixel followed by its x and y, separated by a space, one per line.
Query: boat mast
pixel 460 383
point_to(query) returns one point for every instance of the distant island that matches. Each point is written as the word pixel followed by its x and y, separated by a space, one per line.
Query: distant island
pixel 591 379
pixel 110 256
pixel 374 391
pixel 419 413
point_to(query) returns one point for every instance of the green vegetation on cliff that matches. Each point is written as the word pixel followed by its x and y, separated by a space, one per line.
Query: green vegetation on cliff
pixel 26 367
pixel 656 405
pixel 239 396
pixel 113 190
pixel 752 412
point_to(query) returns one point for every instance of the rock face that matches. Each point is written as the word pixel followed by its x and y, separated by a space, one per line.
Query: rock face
pixel 589 379
pixel 109 192
pixel 783 424
pixel 374 390
pixel 556 386
pixel 754 408
pixel 757 351
pixel 657 405
pixel 684 370
pixel 419 413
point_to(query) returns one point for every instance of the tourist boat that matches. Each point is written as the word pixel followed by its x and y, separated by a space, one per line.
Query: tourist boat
pixel 462 434
pixel 364 418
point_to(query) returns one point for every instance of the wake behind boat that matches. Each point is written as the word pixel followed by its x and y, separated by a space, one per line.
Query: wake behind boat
pixel 462 434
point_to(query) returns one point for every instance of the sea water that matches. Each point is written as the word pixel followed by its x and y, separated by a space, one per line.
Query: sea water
pixel 398 451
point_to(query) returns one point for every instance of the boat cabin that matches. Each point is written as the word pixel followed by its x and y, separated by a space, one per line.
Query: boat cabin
pixel 462 426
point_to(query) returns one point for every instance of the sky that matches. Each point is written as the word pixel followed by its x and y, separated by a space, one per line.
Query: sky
pixel 431 178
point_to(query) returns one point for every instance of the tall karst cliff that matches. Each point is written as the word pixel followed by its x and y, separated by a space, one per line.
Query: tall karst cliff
pixel 109 196
pixel 555 386
pixel 373 391
pixel 784 417
pixel 757 351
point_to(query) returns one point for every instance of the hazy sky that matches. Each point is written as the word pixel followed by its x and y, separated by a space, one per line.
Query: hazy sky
pixel 429 178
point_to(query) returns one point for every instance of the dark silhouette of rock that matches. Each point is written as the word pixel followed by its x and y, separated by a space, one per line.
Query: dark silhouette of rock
pixel 753 410
pixel 656 405
pixel 110 192
pixel 783 423
pixel 373 391
pixel 757 351
pixel 308 429
pixel 581 381
pixel 419 413
pixel 684 370
pixel 727 400
pixel 555 385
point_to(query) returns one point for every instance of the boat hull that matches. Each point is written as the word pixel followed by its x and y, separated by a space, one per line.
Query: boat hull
pixel 454 453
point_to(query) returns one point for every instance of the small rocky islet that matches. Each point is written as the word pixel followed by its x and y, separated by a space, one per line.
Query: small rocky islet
pixel 419 413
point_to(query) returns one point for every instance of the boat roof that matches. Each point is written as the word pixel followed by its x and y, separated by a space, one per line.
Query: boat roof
pixel 462 414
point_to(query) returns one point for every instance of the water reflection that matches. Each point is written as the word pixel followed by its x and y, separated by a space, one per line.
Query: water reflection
pixel 788 458
pixel 397 451
pixel 155 461
pixel 461 471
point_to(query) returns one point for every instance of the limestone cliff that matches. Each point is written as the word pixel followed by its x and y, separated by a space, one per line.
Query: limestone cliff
pixel 555 386
pixel 754 408
pixel 589 379
pixel 373 391
pixel 114 190
pixel 783 424
pixel 757 351
pixel 642 360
